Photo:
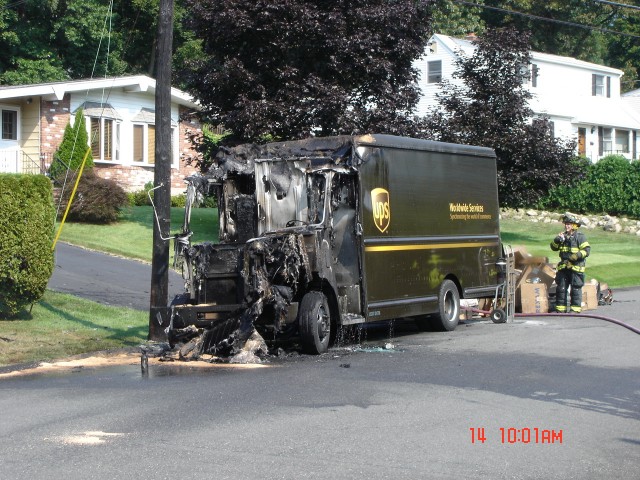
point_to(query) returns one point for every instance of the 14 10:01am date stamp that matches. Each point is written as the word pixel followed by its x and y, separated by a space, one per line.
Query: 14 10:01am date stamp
pixel 512 435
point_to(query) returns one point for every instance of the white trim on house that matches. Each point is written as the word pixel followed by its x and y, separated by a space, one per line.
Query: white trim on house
pixel 582 99
pixel 57 90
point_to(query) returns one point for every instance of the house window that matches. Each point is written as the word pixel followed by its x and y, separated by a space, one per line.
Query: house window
pixel 104 138
pixel 138 143
pixel 9 124
pixel 434 71
pixel 605 146
pixel 144 144
pixel 622 141
pixel 600 86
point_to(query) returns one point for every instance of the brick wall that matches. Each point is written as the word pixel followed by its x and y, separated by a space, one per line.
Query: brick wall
pixel 188 123
pixel 54 117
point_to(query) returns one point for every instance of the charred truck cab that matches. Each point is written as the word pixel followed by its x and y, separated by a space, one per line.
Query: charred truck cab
pixel 326 232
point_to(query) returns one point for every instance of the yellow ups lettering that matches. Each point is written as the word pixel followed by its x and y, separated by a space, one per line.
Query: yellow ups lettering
pixel 381 208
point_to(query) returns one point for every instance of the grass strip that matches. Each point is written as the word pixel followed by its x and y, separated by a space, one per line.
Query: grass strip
pixel 61 325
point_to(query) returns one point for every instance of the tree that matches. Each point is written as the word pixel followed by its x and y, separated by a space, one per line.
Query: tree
pixel 290 69
pixel 556 35
pixel 488 106
pixel 72 149
pixel 55 40
pixel 455 19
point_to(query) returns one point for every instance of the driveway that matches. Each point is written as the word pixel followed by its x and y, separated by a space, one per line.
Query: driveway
pixel 104 278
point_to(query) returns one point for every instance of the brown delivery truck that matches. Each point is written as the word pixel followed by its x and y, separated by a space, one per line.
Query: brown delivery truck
pixel 326 232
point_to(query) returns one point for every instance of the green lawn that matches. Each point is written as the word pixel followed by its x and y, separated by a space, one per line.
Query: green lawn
pixel 132 236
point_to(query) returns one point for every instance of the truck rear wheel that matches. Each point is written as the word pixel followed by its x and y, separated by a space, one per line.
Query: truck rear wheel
pixel 448 314
pixel 314 320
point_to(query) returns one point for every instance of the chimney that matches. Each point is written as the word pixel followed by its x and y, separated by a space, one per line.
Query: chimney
pixel 472 37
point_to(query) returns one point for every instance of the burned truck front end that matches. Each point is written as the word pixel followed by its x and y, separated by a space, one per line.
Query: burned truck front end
pixel 270 275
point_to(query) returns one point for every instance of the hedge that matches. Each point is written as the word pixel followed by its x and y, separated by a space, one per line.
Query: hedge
pixel 610 186
pixel 27 217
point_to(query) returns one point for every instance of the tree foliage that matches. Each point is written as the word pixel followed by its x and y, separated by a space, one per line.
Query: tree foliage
pixel 54 40
pixel 487 104
pixel 294 68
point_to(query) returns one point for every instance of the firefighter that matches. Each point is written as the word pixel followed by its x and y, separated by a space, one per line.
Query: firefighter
pixel 573 249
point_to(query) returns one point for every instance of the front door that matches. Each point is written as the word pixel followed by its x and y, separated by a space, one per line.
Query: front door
pixel 582 142
pixel 9 147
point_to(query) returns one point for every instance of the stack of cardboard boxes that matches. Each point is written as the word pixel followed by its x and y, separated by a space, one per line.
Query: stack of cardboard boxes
pixel 535 287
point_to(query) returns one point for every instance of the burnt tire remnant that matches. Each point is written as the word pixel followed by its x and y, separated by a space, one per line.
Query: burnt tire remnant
pixel 315 323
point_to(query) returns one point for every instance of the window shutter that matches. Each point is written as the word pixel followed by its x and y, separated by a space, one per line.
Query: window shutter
pixel 593 84
pixel 600 141
pixel 608 87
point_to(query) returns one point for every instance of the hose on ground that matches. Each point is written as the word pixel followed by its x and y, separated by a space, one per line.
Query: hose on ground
pixel 564 315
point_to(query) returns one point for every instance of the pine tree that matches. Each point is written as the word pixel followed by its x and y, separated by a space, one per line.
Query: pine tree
pixel 73 148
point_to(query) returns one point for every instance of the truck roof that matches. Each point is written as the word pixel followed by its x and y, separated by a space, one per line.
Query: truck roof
pixel 240 159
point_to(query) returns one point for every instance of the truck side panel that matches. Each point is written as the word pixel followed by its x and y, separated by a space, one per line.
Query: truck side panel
pixel 427 215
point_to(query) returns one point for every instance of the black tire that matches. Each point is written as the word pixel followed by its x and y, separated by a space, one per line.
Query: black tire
pixel 498 316
pixel 314 320
pixel 448 314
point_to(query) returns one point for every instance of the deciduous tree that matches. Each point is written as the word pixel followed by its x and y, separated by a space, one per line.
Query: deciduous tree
pixel 289 69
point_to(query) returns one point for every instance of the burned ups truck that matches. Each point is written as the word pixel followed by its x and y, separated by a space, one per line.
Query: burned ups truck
pixel 327 232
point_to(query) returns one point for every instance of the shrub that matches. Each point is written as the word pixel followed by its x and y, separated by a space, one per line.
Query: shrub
pixel 72 149
pixel 610 186
pixel 633 185
pixel 178 201
pixel 27 219
pixel 140 198
pixel 97 200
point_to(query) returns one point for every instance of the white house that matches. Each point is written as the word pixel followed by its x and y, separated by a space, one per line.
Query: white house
pixel 120 121
pixel 581 99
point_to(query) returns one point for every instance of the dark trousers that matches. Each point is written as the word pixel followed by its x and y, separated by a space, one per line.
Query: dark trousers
pixel 565 278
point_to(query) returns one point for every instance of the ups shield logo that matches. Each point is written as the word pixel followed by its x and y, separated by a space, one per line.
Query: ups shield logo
pixel 381 208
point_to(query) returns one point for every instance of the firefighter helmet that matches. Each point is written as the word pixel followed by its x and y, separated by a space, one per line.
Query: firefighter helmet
pixel 571 218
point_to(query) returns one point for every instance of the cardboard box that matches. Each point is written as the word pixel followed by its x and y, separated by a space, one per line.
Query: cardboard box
pixel 589 297
pixel 522 257
pixel 534 298
pixel 548 274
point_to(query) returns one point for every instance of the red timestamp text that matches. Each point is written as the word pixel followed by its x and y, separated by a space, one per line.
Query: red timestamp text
pixel 525 435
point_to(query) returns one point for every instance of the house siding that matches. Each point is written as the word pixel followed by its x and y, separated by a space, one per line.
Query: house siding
pixel 133 176
pixel 31 129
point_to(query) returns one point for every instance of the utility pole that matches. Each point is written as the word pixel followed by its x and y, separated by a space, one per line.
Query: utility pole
pixel 159 295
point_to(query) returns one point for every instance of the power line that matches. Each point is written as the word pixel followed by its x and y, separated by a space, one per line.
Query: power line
pixel 616 4
pixel 546 19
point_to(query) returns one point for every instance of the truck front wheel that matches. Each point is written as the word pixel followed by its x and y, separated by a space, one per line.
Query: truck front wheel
pixel 314 321
pixel 448 307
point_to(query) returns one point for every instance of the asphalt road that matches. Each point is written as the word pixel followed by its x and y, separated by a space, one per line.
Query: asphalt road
pixel 105 278
pixel 539 398
pixel 552 397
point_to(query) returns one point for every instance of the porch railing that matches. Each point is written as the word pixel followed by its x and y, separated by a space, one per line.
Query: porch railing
pixel 17 161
